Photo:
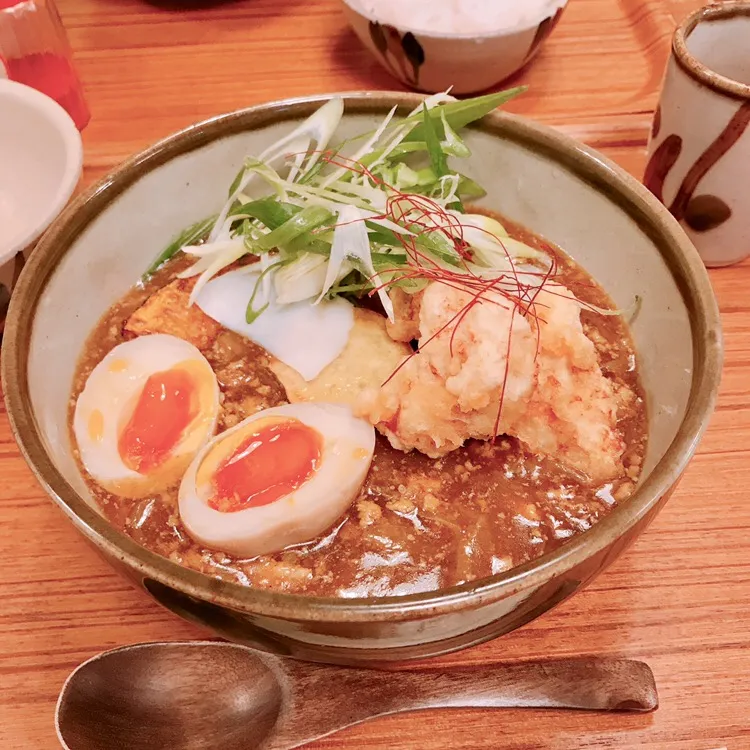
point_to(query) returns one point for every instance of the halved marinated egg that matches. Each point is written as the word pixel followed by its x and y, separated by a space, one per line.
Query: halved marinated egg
pixel 280 477
pixel 146 409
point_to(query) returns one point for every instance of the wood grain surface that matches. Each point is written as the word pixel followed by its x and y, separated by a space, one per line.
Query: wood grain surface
pixel 678 599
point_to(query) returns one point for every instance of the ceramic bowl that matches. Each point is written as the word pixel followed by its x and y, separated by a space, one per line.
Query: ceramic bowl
pixel 466 63
pixel 40 163
pixel 603 217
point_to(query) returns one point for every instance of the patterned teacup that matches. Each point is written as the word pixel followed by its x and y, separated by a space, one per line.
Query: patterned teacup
pixel 699 151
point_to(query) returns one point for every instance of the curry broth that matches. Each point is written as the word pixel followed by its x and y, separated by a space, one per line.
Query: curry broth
pixel 418 524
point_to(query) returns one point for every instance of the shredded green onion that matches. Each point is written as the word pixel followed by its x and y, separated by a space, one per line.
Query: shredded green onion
pixel 298 224
pixel 251 314
pixel 269 211
pixel 438 159
pixel 388 215
pixel 189 236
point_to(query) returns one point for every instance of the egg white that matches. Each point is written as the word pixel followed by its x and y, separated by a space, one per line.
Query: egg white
pixel 346 455
pixel 107 402
pixel 303 335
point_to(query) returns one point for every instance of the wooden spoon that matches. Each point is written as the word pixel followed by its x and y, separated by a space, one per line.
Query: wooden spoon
pixel 207 695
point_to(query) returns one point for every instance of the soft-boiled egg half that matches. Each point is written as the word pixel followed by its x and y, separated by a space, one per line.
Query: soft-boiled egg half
pixel 280 477
pixel 147 408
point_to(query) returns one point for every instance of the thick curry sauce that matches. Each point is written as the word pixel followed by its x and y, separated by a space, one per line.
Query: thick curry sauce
pixel 418 524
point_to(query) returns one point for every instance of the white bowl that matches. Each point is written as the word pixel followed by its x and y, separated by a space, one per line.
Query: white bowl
pixel 431 61
pixel 41 155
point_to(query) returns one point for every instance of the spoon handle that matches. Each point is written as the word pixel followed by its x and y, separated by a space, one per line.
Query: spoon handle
pixel 598 684
pixel 343 697
pixel 593 683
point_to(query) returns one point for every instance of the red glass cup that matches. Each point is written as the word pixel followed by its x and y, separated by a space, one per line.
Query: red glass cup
pixel 34 50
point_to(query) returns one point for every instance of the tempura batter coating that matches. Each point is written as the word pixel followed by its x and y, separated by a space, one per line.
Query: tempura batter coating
pixel 572 412
pixel 452 389
pixel 356 375
pixel 541 368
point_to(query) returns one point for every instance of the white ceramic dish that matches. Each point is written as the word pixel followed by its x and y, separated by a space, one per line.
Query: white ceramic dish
pixel 466 63
pixel 41 155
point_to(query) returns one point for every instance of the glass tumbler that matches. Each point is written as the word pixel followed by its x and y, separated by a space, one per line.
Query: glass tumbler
pixel 34 50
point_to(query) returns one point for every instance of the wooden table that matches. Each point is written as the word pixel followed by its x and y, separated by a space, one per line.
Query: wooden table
pixel 678 599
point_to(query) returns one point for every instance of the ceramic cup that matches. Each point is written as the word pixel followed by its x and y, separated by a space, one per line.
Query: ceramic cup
pixel 699 151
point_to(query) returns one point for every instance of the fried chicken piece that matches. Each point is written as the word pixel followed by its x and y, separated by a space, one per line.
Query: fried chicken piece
pixel 543 370
pixel 169 311
pixel 369 358
pixel 571 415
pixel 452 389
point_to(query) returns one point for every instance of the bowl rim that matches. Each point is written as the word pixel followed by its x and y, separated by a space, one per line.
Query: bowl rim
pixel 678 252
pixel 355 6
pixel 73 143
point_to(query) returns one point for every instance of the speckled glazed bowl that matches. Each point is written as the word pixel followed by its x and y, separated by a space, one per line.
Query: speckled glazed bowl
pixel 466 63
pixel 97 249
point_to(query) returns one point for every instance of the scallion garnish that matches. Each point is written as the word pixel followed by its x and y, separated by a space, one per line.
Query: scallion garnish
pixel 390 214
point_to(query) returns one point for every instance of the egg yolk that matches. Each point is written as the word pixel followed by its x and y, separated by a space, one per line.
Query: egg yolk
pixel 271 462
pixel 166 406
